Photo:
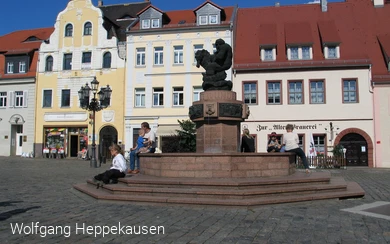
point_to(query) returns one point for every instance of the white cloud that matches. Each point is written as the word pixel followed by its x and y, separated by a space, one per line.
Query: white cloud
pixel 315 2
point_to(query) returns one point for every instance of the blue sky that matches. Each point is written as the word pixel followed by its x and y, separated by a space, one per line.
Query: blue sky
pixel 30 14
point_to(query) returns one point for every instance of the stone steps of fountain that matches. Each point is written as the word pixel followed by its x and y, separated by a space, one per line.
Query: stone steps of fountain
pixel 228 192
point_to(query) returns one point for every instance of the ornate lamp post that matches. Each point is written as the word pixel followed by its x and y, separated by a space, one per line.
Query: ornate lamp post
pixel 94 106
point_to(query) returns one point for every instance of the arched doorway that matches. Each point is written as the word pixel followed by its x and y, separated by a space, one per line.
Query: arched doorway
pixel 108 135
pixel 357 149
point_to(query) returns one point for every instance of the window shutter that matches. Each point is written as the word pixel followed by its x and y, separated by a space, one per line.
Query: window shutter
pixel 11 99
pixel 25 99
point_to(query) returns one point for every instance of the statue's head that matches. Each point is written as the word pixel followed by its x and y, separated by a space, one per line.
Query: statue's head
pixel 199 55
pixel 219 42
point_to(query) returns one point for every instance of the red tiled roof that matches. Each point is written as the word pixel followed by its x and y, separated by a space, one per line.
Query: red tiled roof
pixel 298 33
pixel 328 32
pixel 384 41
pixel 355 24
pixel 267 34
pixel 15 43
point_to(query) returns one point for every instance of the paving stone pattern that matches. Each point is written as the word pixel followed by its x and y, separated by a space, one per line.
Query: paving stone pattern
pixel 47 185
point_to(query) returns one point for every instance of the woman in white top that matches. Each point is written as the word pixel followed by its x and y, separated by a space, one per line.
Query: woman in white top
pixel 291 140
pixel 117 170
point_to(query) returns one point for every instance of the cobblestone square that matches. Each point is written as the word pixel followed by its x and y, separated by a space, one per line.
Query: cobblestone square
pixel 40 190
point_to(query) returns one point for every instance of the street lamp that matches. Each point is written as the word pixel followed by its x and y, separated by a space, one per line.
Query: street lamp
pixel 94 106
pixel 345 159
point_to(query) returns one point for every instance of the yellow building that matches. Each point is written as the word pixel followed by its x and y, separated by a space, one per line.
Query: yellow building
pixel 162 79
pixel 87 42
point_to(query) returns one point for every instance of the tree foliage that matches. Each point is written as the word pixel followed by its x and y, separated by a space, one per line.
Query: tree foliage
pixel 187 135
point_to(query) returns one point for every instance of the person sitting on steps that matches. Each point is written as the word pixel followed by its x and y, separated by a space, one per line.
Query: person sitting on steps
pixel 117 170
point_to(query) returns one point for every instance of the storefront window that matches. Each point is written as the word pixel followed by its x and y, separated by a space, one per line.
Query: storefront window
pixel 55 138
pixel 83 138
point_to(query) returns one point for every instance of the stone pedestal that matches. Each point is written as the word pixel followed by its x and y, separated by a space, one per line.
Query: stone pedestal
pixel 218 115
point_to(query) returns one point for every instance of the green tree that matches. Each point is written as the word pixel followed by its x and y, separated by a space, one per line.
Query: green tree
pixel 187 136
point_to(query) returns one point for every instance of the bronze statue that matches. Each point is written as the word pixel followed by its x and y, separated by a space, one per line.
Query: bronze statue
pixel 215 66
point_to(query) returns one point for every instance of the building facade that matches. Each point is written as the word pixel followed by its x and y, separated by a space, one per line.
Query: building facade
pixel 162 78
pixel 300 65
pixel 87 42
pixel 18 66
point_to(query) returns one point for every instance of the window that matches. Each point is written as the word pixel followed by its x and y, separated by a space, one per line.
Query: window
pixel 69 30
pixel 107 60
pixel 49 64
pixel 3 99
pixel 140 56
pixel 140 97
pixel 274 92
pixel 155 23
pixel 19 96
pixel 317 91
pixel 65 98
pixel 294 53
pixel 250 92
pixel 197 47
pixel 86 59
pixel 350 91
pixel 306 52
pixel 268 54
pixel 196 93
pixel 88 29
pixel 158 55
pixel 10 68
pixel 158 97
pixel 319 143
pixel 178 54
pixel 67 61
pixel 178 96
pixel 213 19
pixel 295 92
pixel 47 96
pixel 301 143
pixel 332 52
pixel 203 20
pixel 22 67
pixel 145 23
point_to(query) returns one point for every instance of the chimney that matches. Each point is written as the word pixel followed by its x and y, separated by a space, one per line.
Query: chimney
pixel 277 4
pixel 378 3
pixel 324 5
pixel 100 3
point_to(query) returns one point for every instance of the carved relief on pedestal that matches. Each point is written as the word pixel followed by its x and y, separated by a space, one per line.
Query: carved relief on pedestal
pixel 211 110
pixel 230 110
pixel 196 111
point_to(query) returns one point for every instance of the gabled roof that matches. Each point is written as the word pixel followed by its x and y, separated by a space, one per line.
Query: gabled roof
pixel 111 14
pixel 147 7
pixel 206 2
pixel 15 43
pixel 342 23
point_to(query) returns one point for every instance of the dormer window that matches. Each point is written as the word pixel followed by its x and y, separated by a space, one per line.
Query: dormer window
pixel 268 53
pixel 155 23
pixel 145 23
pixel 203 20
pixel 299 53
pixel 213 19
pixel 331 51
pixel 208 19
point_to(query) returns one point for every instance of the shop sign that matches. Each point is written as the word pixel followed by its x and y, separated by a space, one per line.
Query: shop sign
pixel 55 117
pixel 260 127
